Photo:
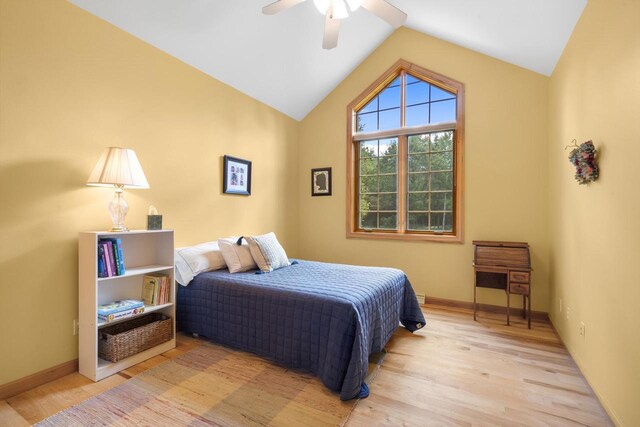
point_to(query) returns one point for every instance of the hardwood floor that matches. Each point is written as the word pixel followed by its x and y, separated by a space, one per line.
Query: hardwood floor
pixel 453 372
pixel 461 372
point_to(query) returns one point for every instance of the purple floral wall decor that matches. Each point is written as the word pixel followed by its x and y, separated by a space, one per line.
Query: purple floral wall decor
pixel 583 157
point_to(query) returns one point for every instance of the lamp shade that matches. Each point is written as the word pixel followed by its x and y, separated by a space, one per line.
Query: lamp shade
pixel 120 167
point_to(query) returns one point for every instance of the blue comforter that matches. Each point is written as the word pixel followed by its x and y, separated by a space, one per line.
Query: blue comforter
pixel 320 317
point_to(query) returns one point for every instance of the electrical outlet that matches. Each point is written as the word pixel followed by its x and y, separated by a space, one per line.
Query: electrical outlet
pixel 583 329
pixel 568 312
pixel 75 327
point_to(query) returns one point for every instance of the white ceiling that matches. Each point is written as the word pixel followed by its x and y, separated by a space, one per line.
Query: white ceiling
pixel 279 59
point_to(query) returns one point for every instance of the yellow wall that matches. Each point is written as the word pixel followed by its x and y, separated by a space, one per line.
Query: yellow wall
pixel 71 85
pixel 505 170
pixel 595 229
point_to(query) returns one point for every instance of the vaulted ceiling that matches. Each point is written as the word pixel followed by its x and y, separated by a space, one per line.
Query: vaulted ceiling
pixel 279 59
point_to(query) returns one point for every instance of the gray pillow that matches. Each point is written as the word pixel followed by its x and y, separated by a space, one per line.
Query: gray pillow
pixel 267 252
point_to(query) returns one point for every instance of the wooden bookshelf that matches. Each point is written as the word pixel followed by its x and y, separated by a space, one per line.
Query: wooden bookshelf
pixel 144 252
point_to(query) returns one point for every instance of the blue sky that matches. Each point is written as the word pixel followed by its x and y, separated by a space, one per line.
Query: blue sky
pixel 426 104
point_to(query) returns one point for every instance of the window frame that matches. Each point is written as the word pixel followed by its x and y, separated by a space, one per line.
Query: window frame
pixel 403 68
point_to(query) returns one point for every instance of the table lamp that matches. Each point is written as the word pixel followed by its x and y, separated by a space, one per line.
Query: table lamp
pixel 118 167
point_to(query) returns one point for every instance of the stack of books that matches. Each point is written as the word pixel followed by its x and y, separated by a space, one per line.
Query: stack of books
pixel 110 257
pixel 155 289
pixel 120 310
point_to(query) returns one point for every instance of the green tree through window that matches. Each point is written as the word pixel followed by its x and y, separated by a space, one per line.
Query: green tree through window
pixel 378 184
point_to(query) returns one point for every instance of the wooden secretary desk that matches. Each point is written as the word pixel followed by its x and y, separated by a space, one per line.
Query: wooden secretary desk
pixel 505 266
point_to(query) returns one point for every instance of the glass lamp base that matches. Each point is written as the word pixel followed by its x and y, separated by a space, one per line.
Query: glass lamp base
pixel 118 209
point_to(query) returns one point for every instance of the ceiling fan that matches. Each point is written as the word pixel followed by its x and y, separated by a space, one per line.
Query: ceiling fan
pixel 335 10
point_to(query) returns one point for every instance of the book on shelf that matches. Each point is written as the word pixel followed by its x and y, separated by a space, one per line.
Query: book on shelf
pixel 163 291
pixel 121 314
pixel 166 287
pixel 118 306
pixel 110 258
pixel 116 243
pixel 102 262
pixel 155 289
pixel 107 264
pixel 149 284
pixel 113 261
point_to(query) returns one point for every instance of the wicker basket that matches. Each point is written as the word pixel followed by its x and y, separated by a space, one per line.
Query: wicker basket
pixel 124 339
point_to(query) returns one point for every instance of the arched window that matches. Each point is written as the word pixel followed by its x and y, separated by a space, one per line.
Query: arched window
pixel 404 157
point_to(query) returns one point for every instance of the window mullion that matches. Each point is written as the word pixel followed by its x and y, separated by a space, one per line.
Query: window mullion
pixel 416 130
pixel 403 90
pixel 402 183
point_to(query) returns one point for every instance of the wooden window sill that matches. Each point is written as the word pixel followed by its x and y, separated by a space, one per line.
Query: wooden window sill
pixel 445 238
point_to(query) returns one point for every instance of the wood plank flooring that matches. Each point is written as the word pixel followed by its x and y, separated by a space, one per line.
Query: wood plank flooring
pixel 453 372
pixel 460 372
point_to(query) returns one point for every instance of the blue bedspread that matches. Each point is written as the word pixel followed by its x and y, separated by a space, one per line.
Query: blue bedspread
pixel 320 317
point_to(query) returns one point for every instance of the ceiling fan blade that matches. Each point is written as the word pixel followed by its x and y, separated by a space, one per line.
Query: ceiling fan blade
pixel 279 6
pixel 386 11
pixel 331 30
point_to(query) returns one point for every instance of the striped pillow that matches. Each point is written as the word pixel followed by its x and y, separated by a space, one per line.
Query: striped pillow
pixel 267 252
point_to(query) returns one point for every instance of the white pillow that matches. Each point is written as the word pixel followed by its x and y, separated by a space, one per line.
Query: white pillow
pixel 267 252
pixel 193 260
pixel 237 257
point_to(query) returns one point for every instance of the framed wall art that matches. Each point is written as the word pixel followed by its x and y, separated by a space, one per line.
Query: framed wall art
pixel 321 182
pixel 236 177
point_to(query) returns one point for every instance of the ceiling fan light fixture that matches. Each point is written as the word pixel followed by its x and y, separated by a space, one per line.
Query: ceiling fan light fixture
pixel 338 7
pixel 336 10
pixel 354 4
pixel 322 5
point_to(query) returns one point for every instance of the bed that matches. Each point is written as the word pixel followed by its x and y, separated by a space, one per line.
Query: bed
pixel 320 317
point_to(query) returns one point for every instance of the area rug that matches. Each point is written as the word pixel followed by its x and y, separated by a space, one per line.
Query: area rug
pixel 214 385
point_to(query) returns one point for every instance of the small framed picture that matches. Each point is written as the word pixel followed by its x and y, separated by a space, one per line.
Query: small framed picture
pixel 321 182
pixel 236 177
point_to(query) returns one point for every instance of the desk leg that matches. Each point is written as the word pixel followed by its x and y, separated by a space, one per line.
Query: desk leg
pixel 475 289
pixel 529 309
pixel 508 303
pixel 524 306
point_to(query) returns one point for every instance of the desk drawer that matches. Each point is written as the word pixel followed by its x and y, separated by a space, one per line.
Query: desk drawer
pixel 519 276
pixel 519 288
